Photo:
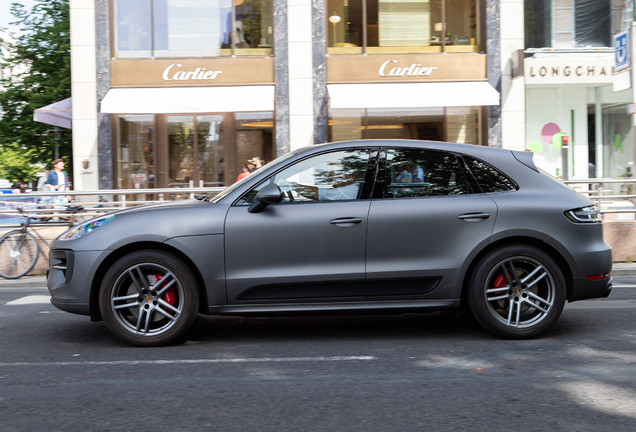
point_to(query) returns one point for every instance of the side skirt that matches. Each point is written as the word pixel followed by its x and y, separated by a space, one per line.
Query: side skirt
pixel 339 307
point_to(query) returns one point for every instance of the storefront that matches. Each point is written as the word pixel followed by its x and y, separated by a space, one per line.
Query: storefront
pixel 573 97
pixel 182 122
pixel 434 97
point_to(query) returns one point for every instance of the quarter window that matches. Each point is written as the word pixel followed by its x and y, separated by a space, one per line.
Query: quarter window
pixel 336 176
pixel 489 178
pixel 422 173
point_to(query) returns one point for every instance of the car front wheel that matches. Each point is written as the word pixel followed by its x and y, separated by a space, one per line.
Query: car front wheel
pixel 148 298
pixel 517 292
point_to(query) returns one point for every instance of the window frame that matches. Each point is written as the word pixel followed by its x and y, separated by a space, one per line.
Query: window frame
pixel 113 29
pixel 366 187
pixel 500 172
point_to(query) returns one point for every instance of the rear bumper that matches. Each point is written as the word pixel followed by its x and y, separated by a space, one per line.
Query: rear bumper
pixel 584 289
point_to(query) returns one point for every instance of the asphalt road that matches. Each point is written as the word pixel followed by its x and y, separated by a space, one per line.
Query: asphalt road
pixel 411 372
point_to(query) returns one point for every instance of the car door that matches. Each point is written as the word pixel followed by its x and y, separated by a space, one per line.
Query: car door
pixel 426 218
pixel 311 246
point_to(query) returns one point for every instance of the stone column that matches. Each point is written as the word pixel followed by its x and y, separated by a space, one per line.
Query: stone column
pixel 104 126
pixel 84 91
pixel 301 96
pixel 281 55
pixel 493 49
pixel 319 49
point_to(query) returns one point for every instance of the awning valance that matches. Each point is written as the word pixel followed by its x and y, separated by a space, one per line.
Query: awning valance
pixel 175 100
pixel 412 95
pixel 56 114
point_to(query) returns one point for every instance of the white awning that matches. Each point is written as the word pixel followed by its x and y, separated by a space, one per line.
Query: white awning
pixel 412 95
pixel 175 100
pixel 59 113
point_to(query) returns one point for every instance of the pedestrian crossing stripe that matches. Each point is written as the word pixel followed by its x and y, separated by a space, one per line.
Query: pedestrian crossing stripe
pixel 32 299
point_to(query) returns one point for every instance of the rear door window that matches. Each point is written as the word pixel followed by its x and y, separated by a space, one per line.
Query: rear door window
pixel 412 173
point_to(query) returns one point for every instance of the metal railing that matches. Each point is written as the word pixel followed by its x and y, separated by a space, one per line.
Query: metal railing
pixel 52 210
pixel 600 195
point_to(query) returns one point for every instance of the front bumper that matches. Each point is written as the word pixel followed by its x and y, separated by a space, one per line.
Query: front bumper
pixel 69 279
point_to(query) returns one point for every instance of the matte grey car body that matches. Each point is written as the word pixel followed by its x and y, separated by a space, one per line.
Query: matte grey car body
pixel 366 253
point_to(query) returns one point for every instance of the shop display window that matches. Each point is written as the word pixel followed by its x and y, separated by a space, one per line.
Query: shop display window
pixel 193 28
pixel 402 26
pixel 451 124
pixel 185 150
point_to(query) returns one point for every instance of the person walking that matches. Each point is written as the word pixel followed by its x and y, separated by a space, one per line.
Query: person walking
pixel 58 181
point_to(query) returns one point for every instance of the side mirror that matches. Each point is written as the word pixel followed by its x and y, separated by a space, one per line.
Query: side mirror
pixel 270 194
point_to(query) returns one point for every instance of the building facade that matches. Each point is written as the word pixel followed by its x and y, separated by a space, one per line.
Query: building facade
pixel 168 93
pixel 571 89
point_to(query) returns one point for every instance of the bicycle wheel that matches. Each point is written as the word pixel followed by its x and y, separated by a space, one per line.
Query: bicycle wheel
pixel 18 254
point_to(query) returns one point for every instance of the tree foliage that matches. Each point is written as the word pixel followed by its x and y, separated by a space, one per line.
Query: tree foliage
pixel 45 47
pixel 15 166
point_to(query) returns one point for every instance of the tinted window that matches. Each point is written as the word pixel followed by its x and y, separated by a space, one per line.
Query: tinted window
pixel 336 176
pixel 489 178
pixel 421 173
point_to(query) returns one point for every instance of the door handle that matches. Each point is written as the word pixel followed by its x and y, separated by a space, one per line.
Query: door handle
pixel 346 221
pixel 474 217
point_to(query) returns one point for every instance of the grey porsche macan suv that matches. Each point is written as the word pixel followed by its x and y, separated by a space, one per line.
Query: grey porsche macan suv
pixel 362 225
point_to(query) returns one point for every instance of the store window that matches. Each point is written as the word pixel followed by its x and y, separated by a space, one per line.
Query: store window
pixel 134 152
pixel 176 151
pixel 572 23
pixel 193 28
pixel 402 26
pixel 452 124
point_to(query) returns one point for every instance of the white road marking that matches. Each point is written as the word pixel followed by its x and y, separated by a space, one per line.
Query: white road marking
pixel 32 299
pixel 193 361
pixel 623 286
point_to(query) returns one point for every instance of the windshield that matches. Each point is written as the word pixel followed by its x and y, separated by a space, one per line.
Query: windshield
pixel 238 184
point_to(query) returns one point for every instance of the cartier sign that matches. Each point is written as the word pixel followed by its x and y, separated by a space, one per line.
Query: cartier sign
pixel 584 70
pixel 192 72
pixel 406 68
pixel 197 74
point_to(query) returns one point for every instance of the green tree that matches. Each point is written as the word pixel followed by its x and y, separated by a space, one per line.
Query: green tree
pixel 46 49
pixel 15 166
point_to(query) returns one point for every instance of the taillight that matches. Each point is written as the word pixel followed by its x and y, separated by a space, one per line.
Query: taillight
pixel 589 214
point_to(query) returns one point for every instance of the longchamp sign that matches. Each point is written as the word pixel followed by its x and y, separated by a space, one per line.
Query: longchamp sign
pixel 192 72
pixel 406 68
pixel 584 70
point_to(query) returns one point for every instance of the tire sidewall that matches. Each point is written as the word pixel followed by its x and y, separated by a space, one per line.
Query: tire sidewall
pixel 479 307
pixel 174 265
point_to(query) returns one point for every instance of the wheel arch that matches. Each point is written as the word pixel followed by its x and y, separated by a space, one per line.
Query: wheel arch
pixel 519 240
pixel 134 247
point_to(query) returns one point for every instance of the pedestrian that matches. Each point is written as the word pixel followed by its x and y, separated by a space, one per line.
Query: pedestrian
pixel 245 173
pixel 42 180
pixel 19 187
pixel 256 161
pixel 58 181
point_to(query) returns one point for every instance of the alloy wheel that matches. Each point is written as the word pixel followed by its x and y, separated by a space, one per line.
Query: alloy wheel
pixel 520 292
pixel 147 299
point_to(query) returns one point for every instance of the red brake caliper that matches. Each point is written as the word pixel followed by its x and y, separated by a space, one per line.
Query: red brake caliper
pixel 500 282
pixel 170 295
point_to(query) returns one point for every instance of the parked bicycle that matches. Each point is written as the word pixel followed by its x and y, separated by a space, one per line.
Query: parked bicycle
pixel 19 249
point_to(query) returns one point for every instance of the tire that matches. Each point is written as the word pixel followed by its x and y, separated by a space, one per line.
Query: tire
pixel 523 301
pixel 149 298
pixel 18 254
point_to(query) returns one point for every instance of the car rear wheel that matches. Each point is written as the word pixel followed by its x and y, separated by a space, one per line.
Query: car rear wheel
pixel 148 298
pixel 517 292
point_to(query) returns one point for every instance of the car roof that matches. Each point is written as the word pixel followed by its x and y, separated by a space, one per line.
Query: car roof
pixel 469 149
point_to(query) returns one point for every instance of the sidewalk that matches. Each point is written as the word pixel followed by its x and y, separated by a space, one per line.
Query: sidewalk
pixel 619 269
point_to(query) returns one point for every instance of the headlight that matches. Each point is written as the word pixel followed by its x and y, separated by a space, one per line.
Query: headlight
pixel 85 228
pixel 589 214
